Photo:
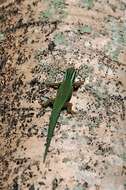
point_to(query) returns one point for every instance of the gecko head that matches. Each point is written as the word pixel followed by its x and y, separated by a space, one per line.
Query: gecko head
pixel 70 74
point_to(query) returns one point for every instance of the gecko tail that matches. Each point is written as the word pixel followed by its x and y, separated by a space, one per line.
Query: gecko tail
pixel 46 150
pixel 45 154
pixel 44 158
pixel 51 128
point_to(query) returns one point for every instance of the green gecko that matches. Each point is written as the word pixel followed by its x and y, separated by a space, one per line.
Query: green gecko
pixel 62 99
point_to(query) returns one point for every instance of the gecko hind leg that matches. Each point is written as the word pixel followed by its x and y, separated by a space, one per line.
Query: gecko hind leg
pixel 69 105
pixel 54 85
pixel 49 103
